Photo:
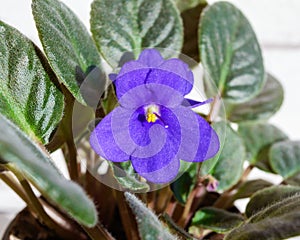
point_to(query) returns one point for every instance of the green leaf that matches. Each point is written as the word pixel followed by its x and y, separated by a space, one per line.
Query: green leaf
pixel 28 157
pixel 259 136
pixel 182 187
pixel 285 158
pixel 215 219
pixel 27 95
pixel 127 178
pixel 269 196
pixel 130 25
pixel 149 226
pixel 294 180
pixel 190 18
pixel 184 5
pixel 230 53
pixel 277 215
pixel 66 42
pixel 262 107
pixel 247 189
pixel 230 159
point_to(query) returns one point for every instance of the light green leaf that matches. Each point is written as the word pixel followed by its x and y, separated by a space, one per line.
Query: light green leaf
pixel 259 136
pixel 230 159
pixel 27 95
pixel 149 226
pixel 130 25
pixel 276 215
pixel 66 42
pixel 215 219
pixel 262 107
pixel 285 158
pixel 230 53
pixel 127 178
pixel 28 157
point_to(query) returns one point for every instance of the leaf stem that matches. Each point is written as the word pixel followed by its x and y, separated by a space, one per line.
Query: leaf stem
pixel 129 224
pixel 68 134
pixel 97 233
pixel 199 193
pixel 35 205
pixel 215 108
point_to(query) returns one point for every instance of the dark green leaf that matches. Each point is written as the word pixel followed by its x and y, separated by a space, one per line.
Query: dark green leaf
pixel 262 107
pixel 182 187
pixel 277 215
pixel 259 136
pixel 183 5
pixel 16 148
pixel 247 189
pixel 230 53
pixel 149 226
pixel 127 178
pixel 230 159
pixel 294 180
pixel 66 42
pixel 27 95
pixel 129 25
pixel 190 19
pixel 216 219
pixel 269 196
pixel 285 158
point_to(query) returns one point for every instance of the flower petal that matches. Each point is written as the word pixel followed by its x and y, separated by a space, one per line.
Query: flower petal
pixel 193 103
pixel 146 94
pixel 145 76
pixel 199 141
pixel 163 175
pixel 103 142
pixel 151 58
pixel 151 161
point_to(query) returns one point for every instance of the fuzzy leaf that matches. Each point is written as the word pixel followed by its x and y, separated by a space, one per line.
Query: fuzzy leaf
pixel 285 158
pixel 250 187
pixel 127 178
pixel 139 24
pixel 66 42
pixel 28 157
pixel 231 156
pixel 149 226
pixel 259 136
pixel 230 53
pixel 216 219
pixel 277 215
pixel 27 95
pixel 269 196
pixel 262 107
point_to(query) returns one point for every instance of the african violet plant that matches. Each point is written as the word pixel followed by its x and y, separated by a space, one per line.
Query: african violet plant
pixel 146 160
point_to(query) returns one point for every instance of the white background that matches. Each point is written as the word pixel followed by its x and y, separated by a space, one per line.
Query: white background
pixel 276 23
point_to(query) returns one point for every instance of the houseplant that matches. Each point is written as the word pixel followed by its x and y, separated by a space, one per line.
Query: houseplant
pixel 50 101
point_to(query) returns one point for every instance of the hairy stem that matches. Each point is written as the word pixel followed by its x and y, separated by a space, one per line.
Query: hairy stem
pixel 97 233
pixel 35 205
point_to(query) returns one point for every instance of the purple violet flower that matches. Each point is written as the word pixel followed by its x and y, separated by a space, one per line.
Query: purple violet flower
pixel 154 126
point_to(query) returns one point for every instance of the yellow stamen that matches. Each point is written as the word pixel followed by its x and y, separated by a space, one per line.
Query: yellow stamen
pixel 151 113
pixel 151 117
